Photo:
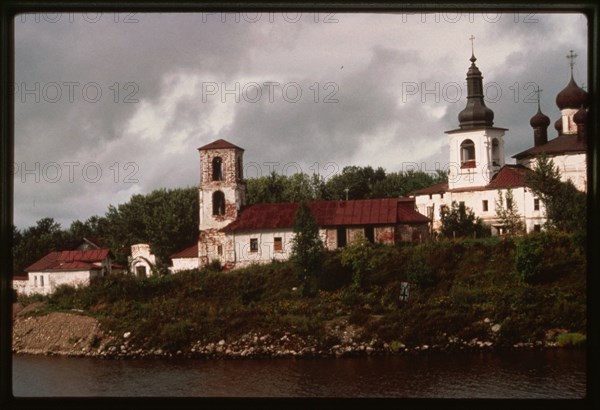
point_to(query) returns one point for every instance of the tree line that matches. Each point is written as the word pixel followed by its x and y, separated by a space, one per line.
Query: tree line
pixel 168 219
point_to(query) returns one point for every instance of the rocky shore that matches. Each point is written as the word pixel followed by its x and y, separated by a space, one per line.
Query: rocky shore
pixel 74 334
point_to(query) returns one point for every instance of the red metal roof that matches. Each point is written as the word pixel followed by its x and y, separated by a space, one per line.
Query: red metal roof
pixel 509 176
pixel 46 262
pixel 560 145
pixel 386 211
pixel 219 144
pixel 77 265
pixel 189 252
pixel 90 255
pixel 432 189
pixel 69 260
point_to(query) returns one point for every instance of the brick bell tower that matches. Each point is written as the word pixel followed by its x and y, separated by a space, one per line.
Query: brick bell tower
pixel 222 195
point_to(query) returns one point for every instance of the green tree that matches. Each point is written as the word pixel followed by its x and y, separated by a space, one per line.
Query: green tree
pixel 508 213
pixel 565 204
pixel 359 182
pixel 307 249
pixel 357 256
pixel 460 221
pixel 35 242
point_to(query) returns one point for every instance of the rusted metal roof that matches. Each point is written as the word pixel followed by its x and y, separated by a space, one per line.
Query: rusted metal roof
pixel 387 211
pixel 90 255
pixel 189 252
pixel 432 189
pixel 509 176
pixel 560 145
pixel 219 144
pixel 69 260
pixel 77 265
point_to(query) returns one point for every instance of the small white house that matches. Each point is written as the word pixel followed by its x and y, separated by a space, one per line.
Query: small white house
pixel 74 268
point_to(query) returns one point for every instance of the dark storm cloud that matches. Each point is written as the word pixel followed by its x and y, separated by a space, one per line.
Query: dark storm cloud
pixel 164 62
pixel 361 102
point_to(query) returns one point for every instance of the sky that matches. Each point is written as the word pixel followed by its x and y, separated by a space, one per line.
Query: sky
pixel 108 105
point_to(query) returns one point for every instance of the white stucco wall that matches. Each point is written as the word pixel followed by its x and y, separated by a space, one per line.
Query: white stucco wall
pixel 482 173
pixel 265 252
pixel 180 264
pixel 141 256
pixel 523 198
pixel 571 166
pixel 45 283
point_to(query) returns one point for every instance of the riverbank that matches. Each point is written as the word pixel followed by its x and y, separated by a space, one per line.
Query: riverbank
pixel 77 335
pixel 463 295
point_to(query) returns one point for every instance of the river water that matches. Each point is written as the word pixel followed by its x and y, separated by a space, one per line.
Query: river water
pixel 522 374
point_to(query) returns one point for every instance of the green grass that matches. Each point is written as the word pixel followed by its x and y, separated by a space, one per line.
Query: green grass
pixel 474 279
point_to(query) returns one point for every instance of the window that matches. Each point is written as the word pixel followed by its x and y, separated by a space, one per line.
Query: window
pixel 441 195
pixel 484 204
pixel 430 210
pixel 217 169
pixel 140 271
pixel 467 154
pixel 277 244
pixel 430 196
pixel 341 237
pixel 461 203
pixel 537 228
pixel 495 152
pixel 509 205
pixel 370 234
pixel 42 281
pixel 218 204
pixel 253 245
pixel 536 204
pixel 35 281
pixel 219 250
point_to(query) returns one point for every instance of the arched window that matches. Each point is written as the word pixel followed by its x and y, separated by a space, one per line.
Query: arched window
pixel 218 203
pixel 467 154
pixel 495 152
pixel 217 169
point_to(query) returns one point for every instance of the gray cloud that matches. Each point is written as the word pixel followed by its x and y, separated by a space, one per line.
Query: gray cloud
pixel 163 60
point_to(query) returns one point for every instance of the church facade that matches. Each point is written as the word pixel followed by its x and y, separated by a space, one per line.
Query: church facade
pixel 238 235
pixel 478 174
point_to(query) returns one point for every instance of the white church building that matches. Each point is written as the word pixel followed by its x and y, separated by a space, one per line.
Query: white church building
pixel 237 235
pixel 478 173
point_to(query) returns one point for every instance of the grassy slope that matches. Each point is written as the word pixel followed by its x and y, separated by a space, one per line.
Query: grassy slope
pixel 473 280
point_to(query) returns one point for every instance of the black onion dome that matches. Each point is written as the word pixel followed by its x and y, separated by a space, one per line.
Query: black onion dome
pixel 475 114
pixel 540 120
pixel 558 125
pixel 572 96
pixel 580 116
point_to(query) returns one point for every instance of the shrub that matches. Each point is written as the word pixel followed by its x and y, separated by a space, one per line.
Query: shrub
pixel 419 272
pixel 571 340
pixel 334 275
pixel 215 266
pixel 357 256
pixel 546 255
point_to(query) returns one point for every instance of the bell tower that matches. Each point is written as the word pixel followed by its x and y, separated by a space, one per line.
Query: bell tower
pixel 222 195
pixel 476 147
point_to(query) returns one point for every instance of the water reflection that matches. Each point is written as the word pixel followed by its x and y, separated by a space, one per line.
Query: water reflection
pixel 547 374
